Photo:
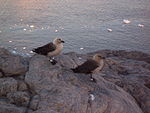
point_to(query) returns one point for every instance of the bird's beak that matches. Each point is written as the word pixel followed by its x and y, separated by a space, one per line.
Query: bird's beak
pixel 63 41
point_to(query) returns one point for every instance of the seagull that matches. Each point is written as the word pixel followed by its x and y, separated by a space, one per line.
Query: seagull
pixel 91 66
pixel 51 49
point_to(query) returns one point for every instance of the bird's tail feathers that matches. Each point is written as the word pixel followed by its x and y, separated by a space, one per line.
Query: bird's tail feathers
pixel 34 49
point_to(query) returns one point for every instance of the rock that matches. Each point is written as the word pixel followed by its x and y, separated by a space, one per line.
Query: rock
pixel 9 108
pixel 4 101
pixel 34 102
pixel 132 73
pixel 140 93
pixel 42 111
pixel 7 85
pixel 123 86
pixel 22 86
pixel 60 90
pixel 19 98
pixel 12 64
pixel 40 72
pixel 4 52
pixel 66 61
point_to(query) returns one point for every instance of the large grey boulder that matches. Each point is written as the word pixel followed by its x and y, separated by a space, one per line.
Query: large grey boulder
pixel 12 64
pixel 62 91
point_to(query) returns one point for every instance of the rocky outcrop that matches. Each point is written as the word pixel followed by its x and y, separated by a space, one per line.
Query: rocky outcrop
pixel 11 64
pixel 63 91
pixel 123 86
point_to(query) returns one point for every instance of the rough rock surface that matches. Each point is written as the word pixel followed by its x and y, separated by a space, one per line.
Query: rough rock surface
pixel 22 86
pixel 9 108
pixel 123 86
pixel 61 90
pixel 12 64
pixel 7 85
pixel 19 98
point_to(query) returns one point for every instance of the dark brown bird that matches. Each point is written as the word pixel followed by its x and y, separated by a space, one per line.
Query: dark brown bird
pixel 91 66
pixel 51 49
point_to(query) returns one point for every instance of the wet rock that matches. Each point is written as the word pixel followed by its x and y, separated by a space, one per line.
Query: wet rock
pixel 9 108
pixel 19 98
pixel 7 85
pixel 12 64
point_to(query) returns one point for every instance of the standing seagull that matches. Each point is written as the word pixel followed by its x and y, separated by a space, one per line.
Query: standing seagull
pixel 51 49
pixel 91 66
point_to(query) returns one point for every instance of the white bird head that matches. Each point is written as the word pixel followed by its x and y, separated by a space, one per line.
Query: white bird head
pixel 58 41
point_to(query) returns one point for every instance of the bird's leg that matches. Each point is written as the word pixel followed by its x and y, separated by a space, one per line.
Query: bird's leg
pixel 92 79
pixel 52 60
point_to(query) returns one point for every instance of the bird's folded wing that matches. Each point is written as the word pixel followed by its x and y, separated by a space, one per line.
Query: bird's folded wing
pixel 44 50
pixel 87 67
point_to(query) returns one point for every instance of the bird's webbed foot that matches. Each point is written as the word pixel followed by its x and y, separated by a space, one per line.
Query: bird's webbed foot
pixel 53 61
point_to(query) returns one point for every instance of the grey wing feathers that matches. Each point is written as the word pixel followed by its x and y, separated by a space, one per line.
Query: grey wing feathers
pixel 44 50
pixel 86 67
